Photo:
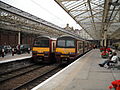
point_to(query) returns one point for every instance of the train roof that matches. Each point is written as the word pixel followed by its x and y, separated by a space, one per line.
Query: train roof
pixel 70 36
pixel 46 37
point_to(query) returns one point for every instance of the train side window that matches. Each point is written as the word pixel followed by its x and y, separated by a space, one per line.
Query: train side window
pixel 61 43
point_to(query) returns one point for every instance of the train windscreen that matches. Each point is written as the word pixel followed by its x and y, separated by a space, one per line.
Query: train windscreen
pixel 66 43
pixel 41 43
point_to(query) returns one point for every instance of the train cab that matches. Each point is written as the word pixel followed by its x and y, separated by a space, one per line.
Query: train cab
pixel 43 49
pixel 67 49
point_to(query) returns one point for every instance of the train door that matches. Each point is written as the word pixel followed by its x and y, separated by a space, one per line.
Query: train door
pixel 53 46
pixel 78 47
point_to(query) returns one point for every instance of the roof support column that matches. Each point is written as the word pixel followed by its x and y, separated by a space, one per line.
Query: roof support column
pixel 109 42
pixel 105 38
pixel 105 19
pixel 19 38
pixel 102 42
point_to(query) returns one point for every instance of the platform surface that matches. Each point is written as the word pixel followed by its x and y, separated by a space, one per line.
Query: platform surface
pixel 9 58
pixel 83 74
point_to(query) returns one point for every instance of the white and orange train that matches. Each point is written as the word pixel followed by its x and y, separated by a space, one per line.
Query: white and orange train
pixel 61 50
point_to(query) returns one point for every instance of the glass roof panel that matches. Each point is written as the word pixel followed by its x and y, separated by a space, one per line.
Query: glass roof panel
pixel 74 4
pixel 80 7
pixel 68 2
pixel 77 13
pixel 93 16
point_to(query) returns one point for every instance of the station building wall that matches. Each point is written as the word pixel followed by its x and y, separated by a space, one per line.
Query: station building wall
pixel 8 38
pixel 11 38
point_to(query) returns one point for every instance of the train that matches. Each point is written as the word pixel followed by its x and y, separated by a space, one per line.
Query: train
pixel 64 49
pixel 69 48
pixel 43 49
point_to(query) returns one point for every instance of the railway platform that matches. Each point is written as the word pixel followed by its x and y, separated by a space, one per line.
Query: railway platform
pixel 83 74
pixel 9 58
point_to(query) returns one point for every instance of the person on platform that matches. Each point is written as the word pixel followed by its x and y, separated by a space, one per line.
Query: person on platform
pixel 112 59
pixel 13 51
pixel 18 49
pixel 3 52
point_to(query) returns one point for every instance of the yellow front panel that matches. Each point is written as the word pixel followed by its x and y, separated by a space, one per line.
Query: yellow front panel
pixel 65 50
pixel 40 54
pixel 64 56
pixel 41 49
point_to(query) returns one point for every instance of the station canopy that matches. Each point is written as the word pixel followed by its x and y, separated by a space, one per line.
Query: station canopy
pixel 95 16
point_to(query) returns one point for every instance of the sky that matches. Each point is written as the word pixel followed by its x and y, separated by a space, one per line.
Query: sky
pixel 48 10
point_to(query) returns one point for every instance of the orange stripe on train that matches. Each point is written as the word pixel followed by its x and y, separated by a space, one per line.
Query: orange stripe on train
pixel 41 49
pixel 65 50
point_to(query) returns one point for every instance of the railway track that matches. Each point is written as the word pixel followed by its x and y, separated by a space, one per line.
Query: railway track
pixel 24 75
pixel 15 69
pixel 15 73
pixel 14 65
pixel 32 83
pixel 21 79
